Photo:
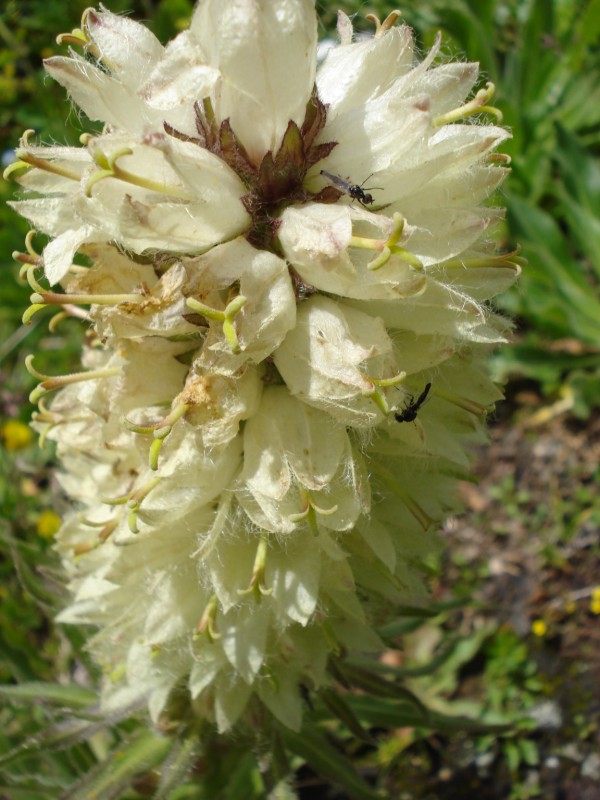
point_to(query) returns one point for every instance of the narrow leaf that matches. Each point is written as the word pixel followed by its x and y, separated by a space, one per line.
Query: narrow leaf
pixel 142 752
pixel 317 751
pixel 374 684
pixel 335 703
pixel 183 756
pixel 398 715
pixel 70 696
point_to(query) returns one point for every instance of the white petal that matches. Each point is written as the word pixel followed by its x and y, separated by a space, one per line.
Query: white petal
pixel 207 665
pixel 51 215
pixel 447 85
pixel 58 254
pixel 182 76
pixel 231 696
pixel 357 73
pixel 379 539
pixel 178 227
pixel 441 233
pixel 218 403
pixel 266 53
pixel 441 310
pixel 316 239
pixel 101 96
pixel 326 358
pixel 294 575
pixel 190 478
pixel 127 48
pixel 286 432
pixel 229 566
pixel 280 693
pixel 244 635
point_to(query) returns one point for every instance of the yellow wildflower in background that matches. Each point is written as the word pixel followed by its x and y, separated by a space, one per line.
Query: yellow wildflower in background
pixel 15 435
pixel 48 523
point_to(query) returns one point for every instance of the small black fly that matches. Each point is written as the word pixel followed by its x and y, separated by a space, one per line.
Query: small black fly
pixel 355 191
pixel 409 414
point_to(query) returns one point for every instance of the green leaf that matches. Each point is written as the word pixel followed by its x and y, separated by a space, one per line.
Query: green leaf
pixel 512 755
pixel 590 24
pixel 70 696
pixel 529 752
pixel 312 745
pixel 557 294
pixel 144 751
pixel 245 782
pixel 184 754
pixel 335 703
pixel 400 627
pixel 416 611
pixel 385 713
pixel 31 581
pixel 56 737
pixel 373 684
pixel 586 390
pixel 581 171
pixel 473 30
pixel 26 794
pixel 579 193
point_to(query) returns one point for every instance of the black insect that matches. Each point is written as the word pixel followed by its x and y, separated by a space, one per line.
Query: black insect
pixel 409 414
pixel 355 191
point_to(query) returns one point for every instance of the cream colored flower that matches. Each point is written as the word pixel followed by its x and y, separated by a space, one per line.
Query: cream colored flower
pixel 251 496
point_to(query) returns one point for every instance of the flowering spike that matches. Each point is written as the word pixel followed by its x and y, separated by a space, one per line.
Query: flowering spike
pixel 254 303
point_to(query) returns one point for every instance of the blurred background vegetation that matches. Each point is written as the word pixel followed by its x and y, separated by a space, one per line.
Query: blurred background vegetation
pixel 512 636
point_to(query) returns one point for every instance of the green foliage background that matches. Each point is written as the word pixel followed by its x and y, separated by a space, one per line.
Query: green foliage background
pixel 543 56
